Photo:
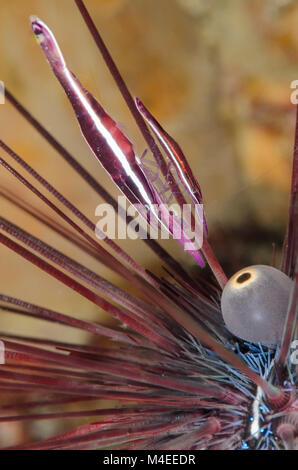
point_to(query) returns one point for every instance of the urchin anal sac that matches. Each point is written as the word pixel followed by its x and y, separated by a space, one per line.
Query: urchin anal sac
pixel 254 304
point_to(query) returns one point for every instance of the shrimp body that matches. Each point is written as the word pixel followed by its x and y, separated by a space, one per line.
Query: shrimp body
pixel 107 141
pixel 109 144
pixel 175 154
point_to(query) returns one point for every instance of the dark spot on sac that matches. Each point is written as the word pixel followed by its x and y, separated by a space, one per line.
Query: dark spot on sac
pixel 243 277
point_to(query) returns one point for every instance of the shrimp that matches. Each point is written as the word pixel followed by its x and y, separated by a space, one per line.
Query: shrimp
pixel 110 145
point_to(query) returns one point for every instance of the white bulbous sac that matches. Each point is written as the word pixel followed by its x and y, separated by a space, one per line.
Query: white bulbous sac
pixel 254 304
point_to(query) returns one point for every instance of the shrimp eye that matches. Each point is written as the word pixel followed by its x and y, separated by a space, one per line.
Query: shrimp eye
pixel 254 304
